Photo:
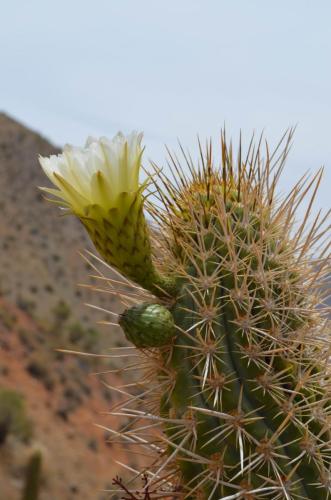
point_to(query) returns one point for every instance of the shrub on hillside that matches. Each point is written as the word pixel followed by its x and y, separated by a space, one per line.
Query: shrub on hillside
pixel 7 318
pixel 86 338
pixel 61 312
pixel 13 418
pixel 38 367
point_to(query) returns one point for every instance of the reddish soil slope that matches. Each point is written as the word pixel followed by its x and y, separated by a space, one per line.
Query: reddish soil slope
pixel 64 402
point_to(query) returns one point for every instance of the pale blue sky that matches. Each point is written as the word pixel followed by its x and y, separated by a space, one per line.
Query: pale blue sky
pixel 172 68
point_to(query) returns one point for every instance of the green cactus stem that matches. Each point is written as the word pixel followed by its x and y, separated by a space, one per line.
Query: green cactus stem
pixel 246 413
pixel 33 477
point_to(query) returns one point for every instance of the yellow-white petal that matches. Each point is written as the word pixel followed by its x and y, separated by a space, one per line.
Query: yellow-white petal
pixel 97 173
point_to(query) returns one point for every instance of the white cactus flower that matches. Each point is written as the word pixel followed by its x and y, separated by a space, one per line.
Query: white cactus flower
pixel 100 185
pixel 96 174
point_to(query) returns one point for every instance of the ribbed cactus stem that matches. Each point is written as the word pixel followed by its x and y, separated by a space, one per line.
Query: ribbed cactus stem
pixel 33 477
pixel 245 376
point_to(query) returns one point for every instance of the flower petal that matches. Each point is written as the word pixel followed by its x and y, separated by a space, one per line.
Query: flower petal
pixel 97 173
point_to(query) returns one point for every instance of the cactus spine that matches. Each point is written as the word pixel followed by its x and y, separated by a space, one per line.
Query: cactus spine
pixel 237 378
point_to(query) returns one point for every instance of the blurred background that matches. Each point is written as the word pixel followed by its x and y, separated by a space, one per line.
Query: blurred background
pixel 173 69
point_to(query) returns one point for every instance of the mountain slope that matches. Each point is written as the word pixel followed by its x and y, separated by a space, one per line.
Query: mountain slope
pixel 63 402
pixel 42 309
pixel 39 261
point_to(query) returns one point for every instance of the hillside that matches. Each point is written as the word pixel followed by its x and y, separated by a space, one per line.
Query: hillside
pixel 63 402
pixel 42 309
pixel 39 260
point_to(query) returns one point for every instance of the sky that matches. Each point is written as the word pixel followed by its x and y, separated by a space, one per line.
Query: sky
pixel 174 69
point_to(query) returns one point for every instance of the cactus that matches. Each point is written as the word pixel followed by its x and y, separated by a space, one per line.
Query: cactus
pixel 33 477
pixel 234 398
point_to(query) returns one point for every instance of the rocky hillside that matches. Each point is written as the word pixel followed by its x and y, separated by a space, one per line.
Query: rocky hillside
pixel 39 260
pixel 49 401
pixel 61 403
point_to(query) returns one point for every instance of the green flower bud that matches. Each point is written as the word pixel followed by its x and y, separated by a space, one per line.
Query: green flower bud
pixel 148 325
